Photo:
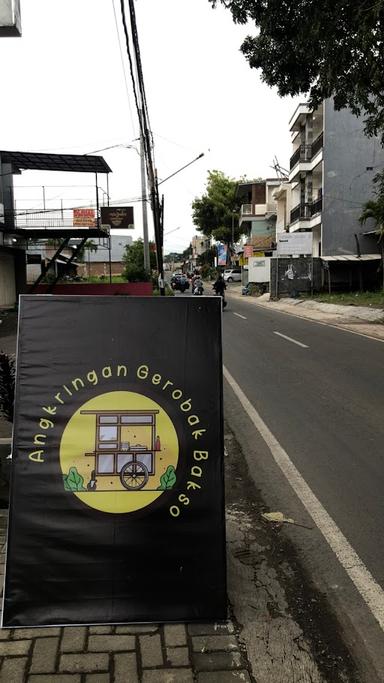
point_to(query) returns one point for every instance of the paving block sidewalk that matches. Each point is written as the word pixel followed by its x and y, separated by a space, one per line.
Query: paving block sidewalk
pixel 149 653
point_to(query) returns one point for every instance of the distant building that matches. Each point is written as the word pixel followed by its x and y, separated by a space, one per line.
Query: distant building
pixel 199 245
pixel 258 213
pixel 97 262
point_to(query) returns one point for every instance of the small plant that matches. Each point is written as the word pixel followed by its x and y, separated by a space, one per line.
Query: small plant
pixel 73 481
pixel 7 385
pixel 168 479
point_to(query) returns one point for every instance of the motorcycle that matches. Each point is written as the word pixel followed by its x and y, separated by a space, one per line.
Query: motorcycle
pixel 222 296
pixel 198 289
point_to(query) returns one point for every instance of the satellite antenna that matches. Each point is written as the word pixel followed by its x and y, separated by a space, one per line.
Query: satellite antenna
pixel 280 171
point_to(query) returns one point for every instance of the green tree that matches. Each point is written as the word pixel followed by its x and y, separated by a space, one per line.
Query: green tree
pixel 207 258
pixel 90 246
pixel 174 256
pixel 133 259
pixel 217 209
pixel 374 210
pixel 328 48
pixel 187 253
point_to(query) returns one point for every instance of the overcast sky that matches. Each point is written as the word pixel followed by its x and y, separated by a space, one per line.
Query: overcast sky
pixel 63 90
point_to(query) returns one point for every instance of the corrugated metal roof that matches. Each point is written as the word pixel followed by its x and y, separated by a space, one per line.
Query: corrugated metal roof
pixel 79 163
pixel 352 257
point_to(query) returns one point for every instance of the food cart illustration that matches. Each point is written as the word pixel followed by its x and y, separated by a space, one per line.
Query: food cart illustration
pixel 126 445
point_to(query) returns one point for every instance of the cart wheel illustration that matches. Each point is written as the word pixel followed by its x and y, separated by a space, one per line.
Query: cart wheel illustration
pixel 134 475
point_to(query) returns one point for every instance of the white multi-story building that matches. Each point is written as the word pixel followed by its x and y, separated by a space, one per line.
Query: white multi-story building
pixel 331 172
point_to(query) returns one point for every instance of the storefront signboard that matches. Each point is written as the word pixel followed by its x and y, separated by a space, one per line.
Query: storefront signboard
pixel 117 501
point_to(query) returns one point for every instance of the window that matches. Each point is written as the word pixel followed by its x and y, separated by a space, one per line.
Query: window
pixel 145 459
pixel 107 433
pixel 135 419
pixel 122 460
pixel 106 464
pixel 108 419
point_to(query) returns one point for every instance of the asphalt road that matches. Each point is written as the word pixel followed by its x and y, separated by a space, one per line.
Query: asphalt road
pixel 321 393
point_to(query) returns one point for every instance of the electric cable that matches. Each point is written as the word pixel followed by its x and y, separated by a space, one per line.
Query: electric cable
pixel 124 69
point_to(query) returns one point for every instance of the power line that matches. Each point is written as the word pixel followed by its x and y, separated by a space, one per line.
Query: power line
pixel 89 205
pixel 124 69
pixel 145 131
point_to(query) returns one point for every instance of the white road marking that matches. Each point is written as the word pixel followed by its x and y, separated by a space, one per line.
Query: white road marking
pixel 240 316
pixel 317 322
pixel 292 340
pixel 369 589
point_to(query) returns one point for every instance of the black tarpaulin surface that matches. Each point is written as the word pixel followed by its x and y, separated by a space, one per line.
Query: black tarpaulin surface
pixel 117 499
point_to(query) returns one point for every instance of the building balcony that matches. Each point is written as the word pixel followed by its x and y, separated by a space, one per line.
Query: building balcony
pixel 306 215
pixel 299 116
pixel 303 153
pixel 306 152
pixel 246 210
pixel 31 224
pixel 317 206
pixel 317 144
pixel 307 210
pixel 249 211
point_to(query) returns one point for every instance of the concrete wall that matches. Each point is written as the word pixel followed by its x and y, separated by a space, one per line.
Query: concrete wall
pixel 347 182
pixel 127 288
pixel 295 276
pixel 7 280
pixel 92 268
pixel 118 244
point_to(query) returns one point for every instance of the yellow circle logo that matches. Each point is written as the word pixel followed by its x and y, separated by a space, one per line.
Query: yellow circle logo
pixel 119 452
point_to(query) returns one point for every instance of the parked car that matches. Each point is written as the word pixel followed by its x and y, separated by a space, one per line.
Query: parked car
pixel 232 275
pixel 179 281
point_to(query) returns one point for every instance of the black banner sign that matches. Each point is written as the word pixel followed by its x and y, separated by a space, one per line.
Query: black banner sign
pixel 117 501
pixel 117 217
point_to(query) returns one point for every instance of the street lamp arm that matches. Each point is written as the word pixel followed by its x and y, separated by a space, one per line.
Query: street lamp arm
pixel 181 169
pixel 174 230
pixel 121 145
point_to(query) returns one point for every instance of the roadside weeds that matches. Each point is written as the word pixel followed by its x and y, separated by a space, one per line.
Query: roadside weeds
pixel 287 626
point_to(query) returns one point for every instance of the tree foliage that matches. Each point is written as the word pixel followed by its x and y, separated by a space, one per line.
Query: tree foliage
pixel 324 48
pixel 214 212
pixel 133 259
pixel 374 210
pixel 173 257
pixel 89 246
pixel 207 258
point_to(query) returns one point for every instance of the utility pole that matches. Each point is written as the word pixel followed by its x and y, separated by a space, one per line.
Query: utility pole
pixel 147 261
pixel 233 237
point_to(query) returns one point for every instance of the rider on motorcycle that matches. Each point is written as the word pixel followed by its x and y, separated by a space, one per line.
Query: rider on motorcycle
pixel 219 286
pixel 198 287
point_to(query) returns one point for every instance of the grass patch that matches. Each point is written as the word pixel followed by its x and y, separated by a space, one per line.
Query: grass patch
pixel 95 279
pixel 371 299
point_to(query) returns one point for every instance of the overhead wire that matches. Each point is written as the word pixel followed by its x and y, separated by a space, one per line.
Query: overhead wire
pixel 123 67
pixel 145 131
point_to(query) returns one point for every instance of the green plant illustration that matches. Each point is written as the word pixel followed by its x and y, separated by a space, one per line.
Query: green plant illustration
pixel 168 479
pixel 73 481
